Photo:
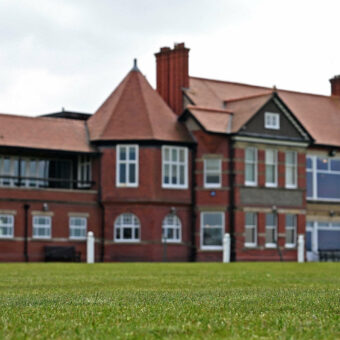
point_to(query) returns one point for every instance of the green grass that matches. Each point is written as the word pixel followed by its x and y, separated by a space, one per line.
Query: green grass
pixel 152 301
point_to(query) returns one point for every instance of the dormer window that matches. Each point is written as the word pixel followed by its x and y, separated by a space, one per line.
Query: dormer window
pixel 272 121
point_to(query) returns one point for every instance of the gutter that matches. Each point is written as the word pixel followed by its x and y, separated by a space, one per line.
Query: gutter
pixel 193 205
pixel 231 202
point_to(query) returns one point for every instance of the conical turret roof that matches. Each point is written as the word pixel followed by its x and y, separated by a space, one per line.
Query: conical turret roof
pixel 135 111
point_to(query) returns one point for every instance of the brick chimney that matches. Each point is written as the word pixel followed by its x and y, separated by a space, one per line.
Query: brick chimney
pixel 335 86
pixel 172 75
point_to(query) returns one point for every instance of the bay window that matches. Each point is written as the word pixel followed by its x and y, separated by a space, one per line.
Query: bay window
pixel 323 178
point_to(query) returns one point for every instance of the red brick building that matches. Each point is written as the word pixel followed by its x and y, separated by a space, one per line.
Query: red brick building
pixel 162 175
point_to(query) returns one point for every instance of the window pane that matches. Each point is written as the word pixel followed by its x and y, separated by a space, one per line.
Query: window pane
pixel 127 233
pixel 250 218
pixel 132 153
pixel 181 155
pixel 322 164
pixel 122 173
pixel 290 176
pixel 122 153
pixel 132 173
pixel 290 220
pixel 329 239
pixel 250 172
pixel 309 184
pixel 212 219
pixel 250 235
pixel 212 179
pixel 270 220
pixel 270 156
pixel 335 164
pixel 270 235
pixel 212 236
pixel 174 155
pixel 174 174
pixel 166 154
pixel 181 174
pixel 166 178
pixel 290 236
pixel 212 164
pixel 309 163
pixel 290 157
pixel 328 185
pixel 309 241
pixel 250 154
pixel 270 174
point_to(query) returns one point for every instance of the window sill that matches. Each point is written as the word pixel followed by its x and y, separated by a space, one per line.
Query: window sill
pixel 217 186
pixel 127 241
pixel 38 238
pixel 268 185
pixel 250 245
pixel 290 246
pixel 291 187
pixel 127 185
pixel 271 245
pixel 171 242
pixel 6 237
pixel 77 238
pixel 164 186
pixel 212 248
pixel 249 184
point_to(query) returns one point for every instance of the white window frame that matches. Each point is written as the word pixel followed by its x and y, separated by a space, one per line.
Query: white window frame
pixel 177 226
pixel 315 172
pixel 7 225
pixel 73 227
pixel 204 247
pixel 127 162
pixel 292 166
pixel 272 120
pixel 49 226
pixel 177 164
pixel 122 226
pixel 271 245
pixel 84 171
pixel 246 226
pixel 294 228
pixel 271 184
pixel 11 181
pixel 253 163
pixel 213 172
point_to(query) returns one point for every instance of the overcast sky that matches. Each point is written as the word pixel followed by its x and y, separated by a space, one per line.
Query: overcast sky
pixel 73 53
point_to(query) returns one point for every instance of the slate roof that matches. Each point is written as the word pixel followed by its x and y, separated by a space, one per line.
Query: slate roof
pixel 44 133
pixel 135 111
pixel 320 115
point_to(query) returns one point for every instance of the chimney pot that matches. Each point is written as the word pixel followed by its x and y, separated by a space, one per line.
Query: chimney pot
pixel 335 85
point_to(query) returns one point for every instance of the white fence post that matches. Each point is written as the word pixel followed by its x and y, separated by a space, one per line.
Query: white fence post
pixel 90 247
pixel 226 248
pixel 301 249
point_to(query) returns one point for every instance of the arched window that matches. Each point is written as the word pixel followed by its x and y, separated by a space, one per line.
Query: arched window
pixel 127 228
pixel 171 229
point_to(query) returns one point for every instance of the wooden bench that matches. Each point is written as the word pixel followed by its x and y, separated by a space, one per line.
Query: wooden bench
pixel 61 254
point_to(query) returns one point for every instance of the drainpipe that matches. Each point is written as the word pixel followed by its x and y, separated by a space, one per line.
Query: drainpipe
pixel 26 207
pixel 232 202
pixel 193 205
pixel 102 212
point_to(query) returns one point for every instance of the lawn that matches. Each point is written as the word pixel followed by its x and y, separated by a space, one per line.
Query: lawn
pixel 152 301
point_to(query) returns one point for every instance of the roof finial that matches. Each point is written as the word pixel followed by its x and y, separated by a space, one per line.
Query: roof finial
pixel 135 67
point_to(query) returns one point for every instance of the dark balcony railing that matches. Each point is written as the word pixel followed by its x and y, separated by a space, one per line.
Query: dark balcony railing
pixel 43 182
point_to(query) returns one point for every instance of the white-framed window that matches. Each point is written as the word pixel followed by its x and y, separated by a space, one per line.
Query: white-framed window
pixel 291 169
pixel 271 168
pixel 174 167
pixel 272 120
pixel 171 229
pixel 323 178
pixel 212 230
pixel 84 171
pixel 250 229
pixel 9 166
pixel 290 231
pixel 6 226
pixel 127 166
pixel 212 173
pixel 250 160
pixel 78 227
pixel 42 226
pixel 127 228
pixel 271 230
